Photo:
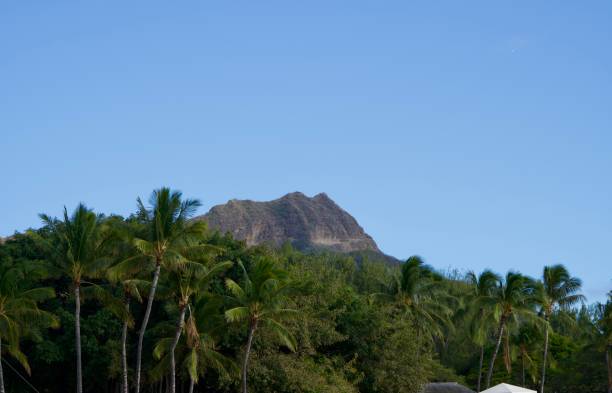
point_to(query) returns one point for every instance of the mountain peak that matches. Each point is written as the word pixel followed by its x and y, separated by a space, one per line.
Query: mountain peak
pixel 309 223
pixel 322 197
pixel 295 195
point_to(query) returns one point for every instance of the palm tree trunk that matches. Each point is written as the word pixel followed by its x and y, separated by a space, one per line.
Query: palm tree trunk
pixel 497 345
pixel 145 321
pixel 480 368
pixel 247 352
pixel 1 375
pixel 77 334
pixel 124 347
pixel 545 356
pixel 177 336
pixel 191 383
pixel 418 351
pixel 608 363
pixel 523 367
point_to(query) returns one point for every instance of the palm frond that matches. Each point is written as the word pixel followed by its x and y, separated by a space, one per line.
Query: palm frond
pixel 235 289
pixel 162 347
pixel 237 314
pixel 281 331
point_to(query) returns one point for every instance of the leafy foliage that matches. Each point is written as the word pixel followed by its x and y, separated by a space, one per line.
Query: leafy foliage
pixel 305 322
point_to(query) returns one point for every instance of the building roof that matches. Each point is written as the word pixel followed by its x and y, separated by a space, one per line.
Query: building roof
pixel 506 388
pixel 446 387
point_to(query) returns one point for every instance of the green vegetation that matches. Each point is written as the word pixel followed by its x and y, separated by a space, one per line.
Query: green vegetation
pixel 217 316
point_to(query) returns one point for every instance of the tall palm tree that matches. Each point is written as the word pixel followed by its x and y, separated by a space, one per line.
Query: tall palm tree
pixel 260 302
pixel 187 280
pixel 130 282
pixel 19 311
pixel 168 233
pixel 481 288
pixel 422 296
pixel 131 288
pixel 512 299
pixel 82 243
pixel 557 290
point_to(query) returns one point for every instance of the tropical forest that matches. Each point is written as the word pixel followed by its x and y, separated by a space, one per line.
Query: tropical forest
pixel 156 302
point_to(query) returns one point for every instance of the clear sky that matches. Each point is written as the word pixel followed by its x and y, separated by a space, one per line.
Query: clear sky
pixel 474 133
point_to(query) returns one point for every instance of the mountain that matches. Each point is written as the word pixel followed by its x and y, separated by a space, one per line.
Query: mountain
pixel 309 223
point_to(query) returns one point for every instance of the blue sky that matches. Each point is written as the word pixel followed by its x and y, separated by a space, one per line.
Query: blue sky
pixel 476 134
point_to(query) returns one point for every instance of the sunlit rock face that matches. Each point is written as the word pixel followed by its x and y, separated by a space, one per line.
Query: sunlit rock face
pixel 308 223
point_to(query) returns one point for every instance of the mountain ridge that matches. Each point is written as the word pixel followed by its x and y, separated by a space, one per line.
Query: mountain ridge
pixel 308 223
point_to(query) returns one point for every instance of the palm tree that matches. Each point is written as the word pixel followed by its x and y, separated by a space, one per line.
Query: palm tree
pixel 131 287
pixel 19 312
pixel 557 290
pixel 186 280
pixel 481 289
pixel 198 349
pixel 131 290
pixel 130 283
pixel 259 302
pixel 168 234
pixel 524 341
pixel 203 326
pixel 420 294
pixel 81 246
pixel 511 300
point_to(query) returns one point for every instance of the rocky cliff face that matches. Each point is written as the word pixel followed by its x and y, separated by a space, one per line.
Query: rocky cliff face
pixel 308 223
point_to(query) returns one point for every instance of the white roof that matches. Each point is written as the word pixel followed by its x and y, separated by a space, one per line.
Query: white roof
pixel 505 388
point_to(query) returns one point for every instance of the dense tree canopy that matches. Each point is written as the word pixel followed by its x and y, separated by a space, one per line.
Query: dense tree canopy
pixel 214 315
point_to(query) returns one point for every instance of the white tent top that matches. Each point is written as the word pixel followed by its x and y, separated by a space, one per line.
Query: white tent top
pixel 505 388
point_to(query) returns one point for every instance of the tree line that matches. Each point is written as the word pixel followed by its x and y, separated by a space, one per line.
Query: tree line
pixel 156 302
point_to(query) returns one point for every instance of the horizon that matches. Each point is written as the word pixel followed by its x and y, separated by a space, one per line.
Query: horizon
pixel 477 137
